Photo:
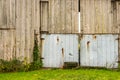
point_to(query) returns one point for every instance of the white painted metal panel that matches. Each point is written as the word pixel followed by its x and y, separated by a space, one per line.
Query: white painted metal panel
pixel 99 51
pixel 59 48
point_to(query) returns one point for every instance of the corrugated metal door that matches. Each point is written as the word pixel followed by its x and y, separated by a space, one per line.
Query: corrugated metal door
pixel 99 51
pixel 59 48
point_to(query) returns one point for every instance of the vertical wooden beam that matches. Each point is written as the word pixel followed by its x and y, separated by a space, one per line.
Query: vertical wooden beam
pixel 75 16
pixel 18 27
pixel 68 16
pixel 57 16
pixel 62 15
pixel 51 16
pixel 44 16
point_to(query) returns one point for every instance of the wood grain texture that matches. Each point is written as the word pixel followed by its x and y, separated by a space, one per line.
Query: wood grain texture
pixel 51 16
pixel 18 21
pixel 44 16
pixel 57 16
pixel 68 16
pixel 63 16
pixel 98 16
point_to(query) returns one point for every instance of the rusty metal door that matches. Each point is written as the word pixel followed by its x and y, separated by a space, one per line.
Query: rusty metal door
pixel 59 48
pixel 99 51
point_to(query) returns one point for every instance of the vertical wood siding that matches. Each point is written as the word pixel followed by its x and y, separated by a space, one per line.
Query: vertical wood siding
pixel 7 29
pixel 18 20
pixel 63 16
pixel 44 15
pixel 99 51
pixel 98 16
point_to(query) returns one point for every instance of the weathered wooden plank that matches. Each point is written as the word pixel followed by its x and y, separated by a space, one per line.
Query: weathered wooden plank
pixel 92 12
pixel 23 28
pixel 118 16
pixel 82 14
pixel 1 45
pixel 62 15
pixel 110 15
pixel 87 28
pixel 51 16
pixel 33 26
pixel 18 27
pixel 12 13
pixel 83 11
pixel 113 15
pixel 1 13
pixel 75 17
pixel 57 16
pixel 8 13
pixel 68 16
pixel 44 16
pixel 103 16
pixel 28 26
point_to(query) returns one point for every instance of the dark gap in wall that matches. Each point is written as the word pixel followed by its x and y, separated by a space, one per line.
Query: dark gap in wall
pixel 78 5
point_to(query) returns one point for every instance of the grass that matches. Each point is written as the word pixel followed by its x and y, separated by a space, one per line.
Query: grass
pixel 58 74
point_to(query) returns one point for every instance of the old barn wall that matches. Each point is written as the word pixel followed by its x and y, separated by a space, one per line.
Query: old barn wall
pixel 22 20
pixel 19 20
pixel 61 16
pixel 98 16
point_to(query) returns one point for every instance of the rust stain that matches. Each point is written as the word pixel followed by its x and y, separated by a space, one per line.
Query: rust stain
pixel 94 37
pixel 88 44
pixel 117 39
pixel 57 39
pixel 63 57
pixel 63 52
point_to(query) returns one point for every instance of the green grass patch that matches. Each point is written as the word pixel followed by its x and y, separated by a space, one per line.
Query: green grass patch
pixel 67 74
